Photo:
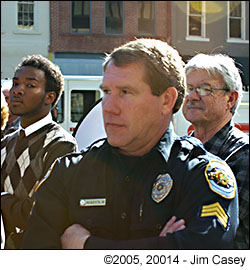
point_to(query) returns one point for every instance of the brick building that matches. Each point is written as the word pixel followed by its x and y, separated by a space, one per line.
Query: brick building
pixel 81 32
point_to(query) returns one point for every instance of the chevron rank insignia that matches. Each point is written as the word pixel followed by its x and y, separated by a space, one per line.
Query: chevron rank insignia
pixel 215 210
pixel 220 179
pixel 162 187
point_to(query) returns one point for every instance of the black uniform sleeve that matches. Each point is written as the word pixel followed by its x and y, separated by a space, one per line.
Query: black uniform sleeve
pixel 168 242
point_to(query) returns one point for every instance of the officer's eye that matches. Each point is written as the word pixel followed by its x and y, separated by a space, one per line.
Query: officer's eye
pixel 125 92
pixel 106 92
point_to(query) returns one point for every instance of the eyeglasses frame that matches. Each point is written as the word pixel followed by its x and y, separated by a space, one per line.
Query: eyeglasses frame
pixel 210 90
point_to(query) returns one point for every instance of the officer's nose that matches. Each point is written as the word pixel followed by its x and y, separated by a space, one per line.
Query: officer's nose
pixel 111 104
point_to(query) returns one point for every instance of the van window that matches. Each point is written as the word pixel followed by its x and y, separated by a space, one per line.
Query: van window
pixel 81 102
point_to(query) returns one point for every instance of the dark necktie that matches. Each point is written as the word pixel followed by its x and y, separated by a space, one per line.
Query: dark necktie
pixel 22 143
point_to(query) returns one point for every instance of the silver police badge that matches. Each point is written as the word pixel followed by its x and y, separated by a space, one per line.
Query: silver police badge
pixel 162 187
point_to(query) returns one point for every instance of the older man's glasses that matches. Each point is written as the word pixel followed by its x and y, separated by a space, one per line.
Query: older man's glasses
pixel 203 90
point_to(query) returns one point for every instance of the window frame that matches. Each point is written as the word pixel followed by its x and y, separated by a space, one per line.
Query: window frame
pixel 242 24
pixel 35 29
pixel 137 8
pixel 202 37
pixel 123 21
pixel 90 20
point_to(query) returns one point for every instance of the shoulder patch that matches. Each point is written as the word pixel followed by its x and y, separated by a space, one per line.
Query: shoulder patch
pixel 221 179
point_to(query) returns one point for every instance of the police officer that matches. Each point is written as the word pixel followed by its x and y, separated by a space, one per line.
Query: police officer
pixel 121 193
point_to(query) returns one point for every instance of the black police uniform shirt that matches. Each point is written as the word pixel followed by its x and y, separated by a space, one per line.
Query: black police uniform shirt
pixel 126 201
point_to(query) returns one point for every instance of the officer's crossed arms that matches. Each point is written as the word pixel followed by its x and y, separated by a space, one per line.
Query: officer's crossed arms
pixel 76 235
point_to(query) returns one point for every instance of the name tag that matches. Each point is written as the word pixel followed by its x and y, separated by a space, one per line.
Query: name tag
pixel 92 202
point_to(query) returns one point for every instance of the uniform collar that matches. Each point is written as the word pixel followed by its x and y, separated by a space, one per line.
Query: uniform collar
pixel 165 144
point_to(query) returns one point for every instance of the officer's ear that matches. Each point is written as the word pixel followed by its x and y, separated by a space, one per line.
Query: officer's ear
pixel 168 98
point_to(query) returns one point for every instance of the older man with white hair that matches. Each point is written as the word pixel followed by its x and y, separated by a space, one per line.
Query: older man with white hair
pixel 214 92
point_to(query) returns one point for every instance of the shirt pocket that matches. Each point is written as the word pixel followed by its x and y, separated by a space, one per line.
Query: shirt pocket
pixel 95 217
pixel 150 219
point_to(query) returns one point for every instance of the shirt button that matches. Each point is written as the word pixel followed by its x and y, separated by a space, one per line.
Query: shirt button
pixel 127 179
pixel 158 226
pixel 89 221
pixel 123 215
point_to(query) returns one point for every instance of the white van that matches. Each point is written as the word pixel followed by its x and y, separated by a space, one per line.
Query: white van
pixel 80 93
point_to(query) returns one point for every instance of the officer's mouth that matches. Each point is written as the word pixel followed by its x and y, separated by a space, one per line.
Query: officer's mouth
pixel 113 126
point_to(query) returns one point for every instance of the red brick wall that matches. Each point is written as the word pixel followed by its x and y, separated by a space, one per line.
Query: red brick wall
pixel 61 40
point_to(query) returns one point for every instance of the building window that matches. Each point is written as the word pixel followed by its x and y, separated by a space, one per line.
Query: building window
pixel 196 18
pixel 236 19
pixel 114 17
pixel 25 15
pixel 146 17
pixel 80 16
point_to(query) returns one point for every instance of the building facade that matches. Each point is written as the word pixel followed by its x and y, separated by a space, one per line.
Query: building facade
pixel 24 30
pixel 83 31
pixel 77 34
